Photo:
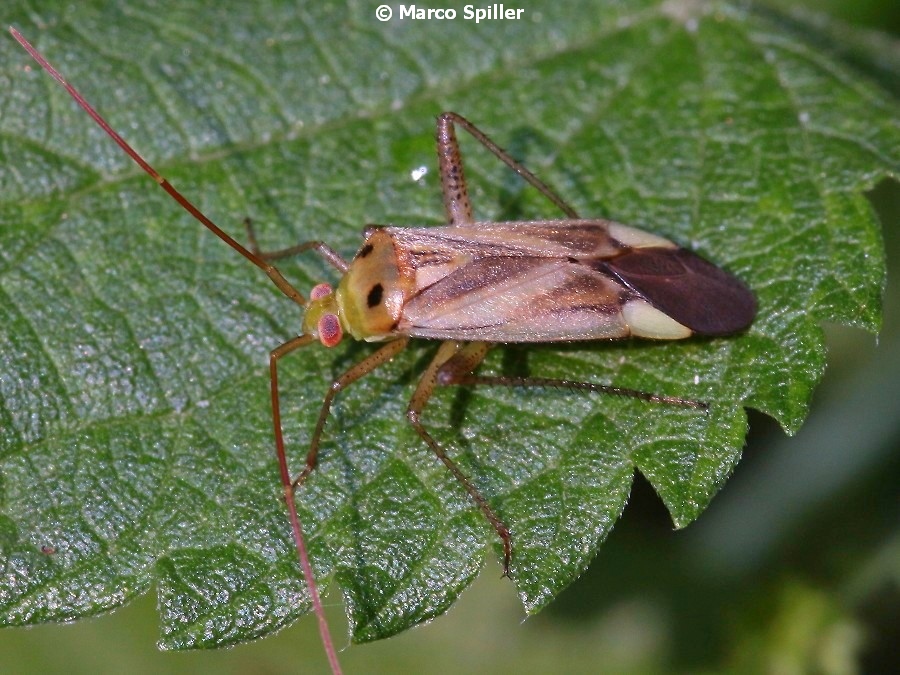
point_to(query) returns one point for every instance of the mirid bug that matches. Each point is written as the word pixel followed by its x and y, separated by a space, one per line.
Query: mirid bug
pixel 474 284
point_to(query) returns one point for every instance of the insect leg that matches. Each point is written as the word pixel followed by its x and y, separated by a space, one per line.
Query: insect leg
pixel 324 250
pixel 466 378
pixel 364 367
pixel 453 179
pixel 448 352
pixel 456 199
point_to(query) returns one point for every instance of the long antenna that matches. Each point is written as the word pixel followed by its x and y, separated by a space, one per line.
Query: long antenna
pixel 283 285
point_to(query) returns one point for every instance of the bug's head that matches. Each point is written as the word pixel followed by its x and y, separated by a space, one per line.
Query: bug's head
pixel 371 293
pixel 322 318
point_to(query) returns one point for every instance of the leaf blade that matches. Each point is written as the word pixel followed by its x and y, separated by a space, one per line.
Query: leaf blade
pixel 710 127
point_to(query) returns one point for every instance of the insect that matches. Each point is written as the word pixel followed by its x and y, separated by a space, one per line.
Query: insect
pixel 474 284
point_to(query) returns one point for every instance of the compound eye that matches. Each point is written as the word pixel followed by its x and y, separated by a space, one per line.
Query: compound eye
pixel 320 291
pixel 330 331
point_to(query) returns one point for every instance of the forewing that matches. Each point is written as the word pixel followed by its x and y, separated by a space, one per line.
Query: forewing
pixel 545 281
pixel 545 239
pixel 518 299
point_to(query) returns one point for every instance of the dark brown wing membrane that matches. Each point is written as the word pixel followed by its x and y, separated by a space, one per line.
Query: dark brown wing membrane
pixel 686 287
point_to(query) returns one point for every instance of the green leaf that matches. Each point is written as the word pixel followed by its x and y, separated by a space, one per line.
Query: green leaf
pixel 135 432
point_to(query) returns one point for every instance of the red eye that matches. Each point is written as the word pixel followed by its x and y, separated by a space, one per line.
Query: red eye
pixel 330 331
pixel 320 291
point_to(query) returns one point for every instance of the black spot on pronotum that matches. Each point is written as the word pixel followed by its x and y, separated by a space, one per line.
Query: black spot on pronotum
pixel 365 250
pixel 374 297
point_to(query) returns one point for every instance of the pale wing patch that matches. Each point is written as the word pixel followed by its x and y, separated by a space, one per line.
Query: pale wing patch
pixel 631 236
pixel 648 322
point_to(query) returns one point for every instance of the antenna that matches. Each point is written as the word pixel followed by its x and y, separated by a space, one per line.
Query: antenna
pixel 277 278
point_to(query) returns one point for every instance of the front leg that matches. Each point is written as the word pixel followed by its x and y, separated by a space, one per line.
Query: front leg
pixel 364 367
pixel 324 250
